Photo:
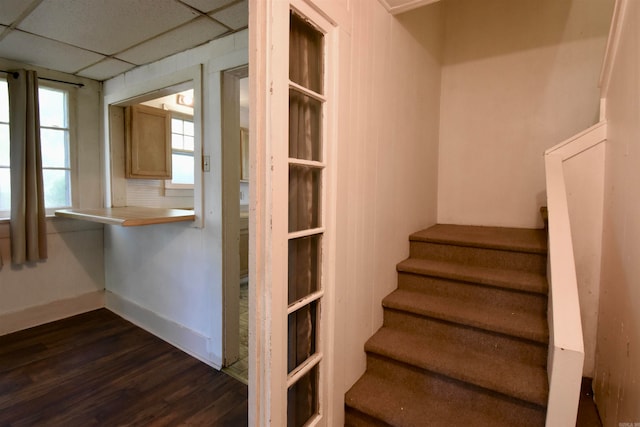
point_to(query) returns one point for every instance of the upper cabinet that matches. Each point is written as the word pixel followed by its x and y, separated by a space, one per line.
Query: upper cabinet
pixel 148 142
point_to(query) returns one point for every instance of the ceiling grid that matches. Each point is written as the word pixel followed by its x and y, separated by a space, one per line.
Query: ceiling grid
pixel 100 39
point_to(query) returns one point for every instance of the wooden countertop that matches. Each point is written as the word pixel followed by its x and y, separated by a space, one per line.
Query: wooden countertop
pixel 129 216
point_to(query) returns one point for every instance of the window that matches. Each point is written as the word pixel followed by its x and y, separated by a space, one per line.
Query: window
pixel 54 140
pixel 182 143
pixel 55 146
pixel 5 191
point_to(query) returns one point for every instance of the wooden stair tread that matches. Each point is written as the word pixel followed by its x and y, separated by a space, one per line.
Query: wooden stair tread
pixel 503 238
pixel 508 279
pixel 496 319
pixel 514 379
pixel 401 406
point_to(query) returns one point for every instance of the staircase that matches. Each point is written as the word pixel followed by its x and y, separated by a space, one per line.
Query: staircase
pixel 464 340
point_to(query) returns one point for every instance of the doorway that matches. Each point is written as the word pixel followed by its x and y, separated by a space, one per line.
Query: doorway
pixel 235 154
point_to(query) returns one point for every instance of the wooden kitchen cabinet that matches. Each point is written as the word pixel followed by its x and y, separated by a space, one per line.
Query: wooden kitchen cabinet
pixel 148 142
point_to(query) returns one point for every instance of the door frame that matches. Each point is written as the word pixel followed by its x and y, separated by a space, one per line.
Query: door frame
pixel 230 111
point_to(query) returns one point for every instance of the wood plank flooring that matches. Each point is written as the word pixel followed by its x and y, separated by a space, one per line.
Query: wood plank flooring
pixel 98 369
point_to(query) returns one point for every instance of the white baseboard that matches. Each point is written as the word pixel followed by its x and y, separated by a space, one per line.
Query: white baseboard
pixel 50 312
pixel 187 340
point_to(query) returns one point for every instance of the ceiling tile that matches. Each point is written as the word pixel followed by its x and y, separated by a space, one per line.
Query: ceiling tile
pixel 29 49
pixel 236 16
pixel 196 32
pixel 105 26
pixel 10 10
pixel 105 69
pixel 207 6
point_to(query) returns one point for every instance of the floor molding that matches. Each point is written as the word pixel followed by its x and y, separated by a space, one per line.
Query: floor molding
pixel 45 313
pixel 187 340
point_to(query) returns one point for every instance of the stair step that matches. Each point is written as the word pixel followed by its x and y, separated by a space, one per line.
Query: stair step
pixel 483 257
pixel 410 401
pixel 465 336
pixel 481 294
pixel 517 380
pixel 497 345
pixel 502 238
pixel 509 279
pixel 518 324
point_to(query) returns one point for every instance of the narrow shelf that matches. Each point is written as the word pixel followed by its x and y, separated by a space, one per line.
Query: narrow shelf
pixel 129 216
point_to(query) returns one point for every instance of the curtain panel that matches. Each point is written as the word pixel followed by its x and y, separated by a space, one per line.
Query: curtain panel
pixel 27 222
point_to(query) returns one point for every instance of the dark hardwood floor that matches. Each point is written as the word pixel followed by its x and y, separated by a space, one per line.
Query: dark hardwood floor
pixel 99 369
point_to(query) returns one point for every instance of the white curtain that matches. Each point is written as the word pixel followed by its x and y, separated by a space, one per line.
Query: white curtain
pixel 28 227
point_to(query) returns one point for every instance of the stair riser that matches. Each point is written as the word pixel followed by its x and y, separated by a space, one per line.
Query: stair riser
pixel 534 263
pixel 496 345
pixel 512 411
pixel 484 295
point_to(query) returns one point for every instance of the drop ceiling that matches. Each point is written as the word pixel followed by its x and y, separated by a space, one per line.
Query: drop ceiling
pixel 100 39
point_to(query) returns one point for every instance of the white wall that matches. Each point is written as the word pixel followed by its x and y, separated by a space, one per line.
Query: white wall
pixel 71 280
pixel 617 381
pixel 584 180
pixel 168 278
pixel 387 171
pixel 518 78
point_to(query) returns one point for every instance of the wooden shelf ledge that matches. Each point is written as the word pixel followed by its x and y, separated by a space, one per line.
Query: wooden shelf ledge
pixel 129 216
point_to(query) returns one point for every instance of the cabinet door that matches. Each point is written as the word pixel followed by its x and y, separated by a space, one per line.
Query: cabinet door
pixel 148 142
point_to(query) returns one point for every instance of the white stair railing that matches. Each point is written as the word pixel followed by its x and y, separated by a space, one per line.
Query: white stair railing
pixel 566 347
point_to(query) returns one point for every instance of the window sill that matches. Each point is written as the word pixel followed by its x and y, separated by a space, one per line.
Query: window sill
pixel 6 220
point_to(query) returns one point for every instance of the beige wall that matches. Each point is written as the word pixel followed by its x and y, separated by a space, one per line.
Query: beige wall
pixel 387 175
pixel 72 279
pixel 617 382
pixel 69 282
pixel 518 77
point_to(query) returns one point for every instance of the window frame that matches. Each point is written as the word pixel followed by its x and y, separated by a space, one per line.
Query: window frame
pixel 72 138
pixel 177 189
